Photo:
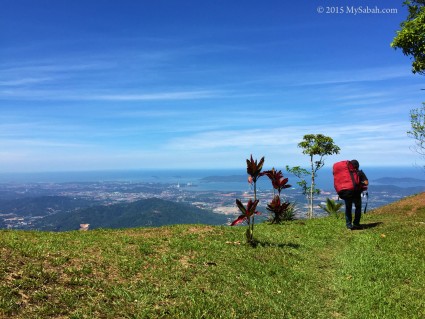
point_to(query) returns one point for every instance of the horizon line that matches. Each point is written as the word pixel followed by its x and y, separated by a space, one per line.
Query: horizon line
pixel 185 169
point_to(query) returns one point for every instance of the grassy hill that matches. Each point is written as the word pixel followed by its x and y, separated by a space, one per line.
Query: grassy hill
pixel 302 269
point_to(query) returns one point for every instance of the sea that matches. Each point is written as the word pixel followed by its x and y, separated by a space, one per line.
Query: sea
pixel 208 179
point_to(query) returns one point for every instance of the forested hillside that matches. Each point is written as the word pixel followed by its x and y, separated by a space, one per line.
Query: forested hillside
pixel 148 212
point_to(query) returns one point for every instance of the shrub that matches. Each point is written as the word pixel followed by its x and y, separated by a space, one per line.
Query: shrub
pixel 332 207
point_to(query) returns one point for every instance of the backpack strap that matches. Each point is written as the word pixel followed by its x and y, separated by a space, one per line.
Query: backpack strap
pixel 353 180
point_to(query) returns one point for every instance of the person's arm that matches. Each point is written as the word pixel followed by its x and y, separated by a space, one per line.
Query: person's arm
pixel 363 178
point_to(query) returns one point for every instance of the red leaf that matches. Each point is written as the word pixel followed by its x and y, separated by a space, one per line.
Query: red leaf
pixel 251 207
pixel 238 220
pixel 253 168
pixel 241 206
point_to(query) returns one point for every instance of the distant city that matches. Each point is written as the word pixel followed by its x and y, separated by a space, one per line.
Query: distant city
pixel 25 205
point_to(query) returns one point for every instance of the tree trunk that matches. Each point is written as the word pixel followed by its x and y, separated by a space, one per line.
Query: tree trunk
pixel 311 189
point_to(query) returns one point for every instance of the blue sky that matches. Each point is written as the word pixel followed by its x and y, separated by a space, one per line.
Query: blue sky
pixel 132 84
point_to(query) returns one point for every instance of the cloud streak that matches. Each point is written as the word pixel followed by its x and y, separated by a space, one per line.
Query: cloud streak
pixel 365 135
pixel 60 95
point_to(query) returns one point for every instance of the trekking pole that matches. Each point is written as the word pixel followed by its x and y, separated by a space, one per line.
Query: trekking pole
pixel 367 200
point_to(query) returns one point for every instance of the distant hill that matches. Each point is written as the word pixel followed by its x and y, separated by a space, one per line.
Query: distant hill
pixel 41 206
pixel 401 191
pixel 399 181
pixel 147 212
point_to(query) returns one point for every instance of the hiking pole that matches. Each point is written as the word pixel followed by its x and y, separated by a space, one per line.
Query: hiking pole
pixel 367 200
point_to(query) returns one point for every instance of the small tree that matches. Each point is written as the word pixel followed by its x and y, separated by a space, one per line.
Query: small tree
pixel 313 145
pixel 411 38
pixel 417 121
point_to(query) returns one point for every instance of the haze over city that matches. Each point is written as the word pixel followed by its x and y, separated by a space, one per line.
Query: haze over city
pixel 89 85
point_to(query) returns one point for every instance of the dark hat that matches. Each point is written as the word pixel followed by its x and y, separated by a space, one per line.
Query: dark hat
pixel 355 163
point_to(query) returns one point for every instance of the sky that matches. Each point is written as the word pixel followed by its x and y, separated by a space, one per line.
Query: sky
pixel 127 84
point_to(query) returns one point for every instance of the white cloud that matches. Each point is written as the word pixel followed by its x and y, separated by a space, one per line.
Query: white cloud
pixel 37 143
pixel 47 67
pixel 24 81
pixel 287 135
pixel 82 95
pixel 181 95
pixel 386 143
pixel 353 75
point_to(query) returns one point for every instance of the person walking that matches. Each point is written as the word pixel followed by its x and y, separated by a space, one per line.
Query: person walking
pixel 351 197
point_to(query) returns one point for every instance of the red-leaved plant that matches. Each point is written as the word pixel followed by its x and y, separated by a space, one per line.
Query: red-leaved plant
pixel 280 210
pixel 253 168
pixel 277 179
pixel 247 212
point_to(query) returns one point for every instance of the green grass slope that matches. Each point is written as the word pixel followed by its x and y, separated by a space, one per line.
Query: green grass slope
pixel 302 269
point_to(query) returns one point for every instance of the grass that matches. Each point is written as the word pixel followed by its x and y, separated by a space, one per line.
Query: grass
pixel 302 269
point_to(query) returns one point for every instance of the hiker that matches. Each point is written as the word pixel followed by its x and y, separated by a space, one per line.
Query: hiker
pixel 349 183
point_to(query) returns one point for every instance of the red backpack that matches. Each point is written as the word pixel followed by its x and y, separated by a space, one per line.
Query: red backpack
pixel 346 177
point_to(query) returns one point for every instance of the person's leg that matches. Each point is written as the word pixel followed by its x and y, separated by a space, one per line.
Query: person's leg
pixel 348 212
pixel 357 199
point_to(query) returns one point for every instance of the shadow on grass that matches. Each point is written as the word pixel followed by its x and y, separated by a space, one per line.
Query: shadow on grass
pixel 257 243
pixel 370 225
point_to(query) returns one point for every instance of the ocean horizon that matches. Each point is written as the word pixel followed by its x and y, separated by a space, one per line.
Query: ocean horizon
pixel 195 177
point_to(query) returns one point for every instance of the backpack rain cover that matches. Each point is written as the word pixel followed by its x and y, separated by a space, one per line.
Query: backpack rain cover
pixel 346 177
